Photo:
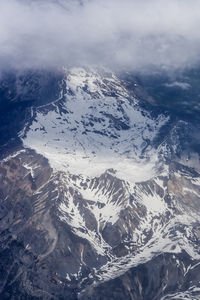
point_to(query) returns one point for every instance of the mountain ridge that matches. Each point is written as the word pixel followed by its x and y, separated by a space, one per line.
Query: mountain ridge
pixel 100 191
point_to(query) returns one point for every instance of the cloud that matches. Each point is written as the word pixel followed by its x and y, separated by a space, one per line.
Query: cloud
pixel 177 84
pixel 126 34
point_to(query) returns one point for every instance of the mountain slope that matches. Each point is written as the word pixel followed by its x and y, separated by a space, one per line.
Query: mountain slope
pixel 103 189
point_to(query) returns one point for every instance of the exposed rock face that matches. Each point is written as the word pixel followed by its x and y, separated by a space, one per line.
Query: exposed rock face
pixel 101 198
pixel 164 277
pixel 18 93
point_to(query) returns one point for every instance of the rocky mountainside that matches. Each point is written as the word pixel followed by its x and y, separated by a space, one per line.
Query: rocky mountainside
pixel 99 193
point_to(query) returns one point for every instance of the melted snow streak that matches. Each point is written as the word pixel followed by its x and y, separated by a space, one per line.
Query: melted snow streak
pixel 191 294
pixel 100 141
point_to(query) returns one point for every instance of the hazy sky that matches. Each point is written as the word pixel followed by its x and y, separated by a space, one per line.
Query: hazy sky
pixel 124 33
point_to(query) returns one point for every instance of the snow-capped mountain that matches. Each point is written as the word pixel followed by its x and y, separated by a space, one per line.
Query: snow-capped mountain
pixel 96 126
pixel 101 187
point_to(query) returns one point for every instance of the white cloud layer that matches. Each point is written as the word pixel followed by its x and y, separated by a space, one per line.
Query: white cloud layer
pixel 123 33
